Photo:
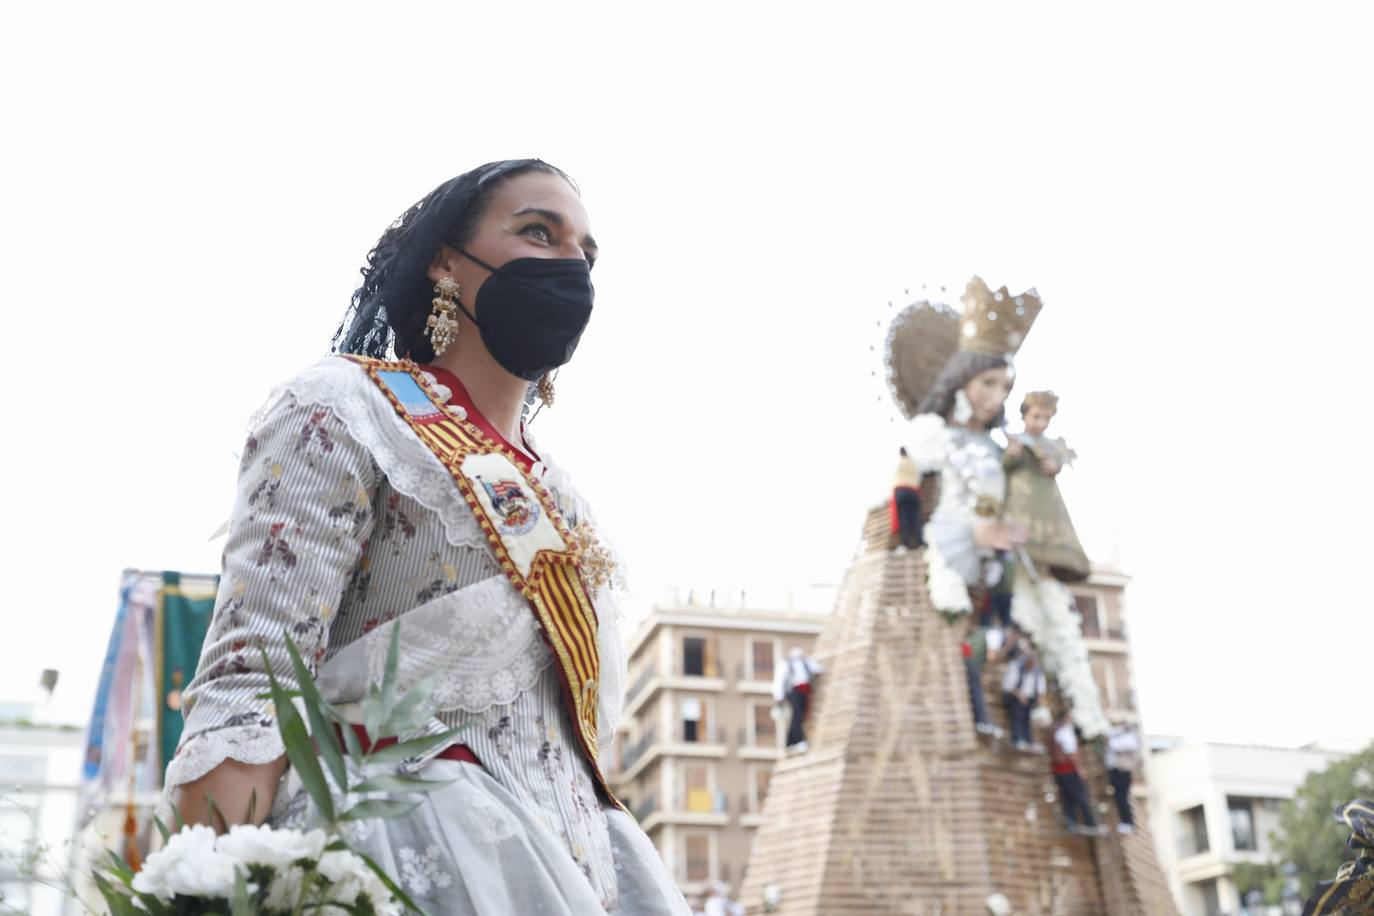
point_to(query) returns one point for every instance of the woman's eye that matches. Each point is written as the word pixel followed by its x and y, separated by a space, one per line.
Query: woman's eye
pixel 539 231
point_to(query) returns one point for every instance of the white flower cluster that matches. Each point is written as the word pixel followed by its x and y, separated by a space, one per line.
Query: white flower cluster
pixel 197 863
pixel 1045 611
pixel 928 442
pixel 948 591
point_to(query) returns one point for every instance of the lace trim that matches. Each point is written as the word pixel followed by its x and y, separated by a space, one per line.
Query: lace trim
pixel 198 755
pixel 409 466
pixel 481 641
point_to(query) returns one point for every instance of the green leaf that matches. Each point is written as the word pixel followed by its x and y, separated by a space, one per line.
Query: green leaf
pixel 119 904
pixel 374 712
pixel 215 813
pixel 240 904
pixel 388 782
pixel 119 868
pixel 390 885
pixel 293 694
pixel 162 829
pixel 326 739
pixel 393 664
pixel 415 747
pixel 351 743
pixel 379 807
pixel 299 748
pixel 413 710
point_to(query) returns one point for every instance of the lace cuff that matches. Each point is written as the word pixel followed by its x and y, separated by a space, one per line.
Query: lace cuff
pixel 199 754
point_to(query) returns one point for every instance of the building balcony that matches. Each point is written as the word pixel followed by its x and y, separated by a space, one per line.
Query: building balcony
pixel 703 809
pixel 748 747
pixel 747 682
pixel 650 682
pixel 649 748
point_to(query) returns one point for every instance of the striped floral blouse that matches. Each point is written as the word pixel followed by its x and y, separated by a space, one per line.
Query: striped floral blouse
pixel 345 523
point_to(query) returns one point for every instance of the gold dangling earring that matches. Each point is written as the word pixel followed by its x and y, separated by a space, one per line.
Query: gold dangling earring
pixel 441 327
pixel 545 389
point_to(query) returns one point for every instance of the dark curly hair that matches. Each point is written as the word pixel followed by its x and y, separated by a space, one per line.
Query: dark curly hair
pixel 386 317
pixel 962 368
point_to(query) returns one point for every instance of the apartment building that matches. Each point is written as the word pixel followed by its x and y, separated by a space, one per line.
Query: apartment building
pixel 698 737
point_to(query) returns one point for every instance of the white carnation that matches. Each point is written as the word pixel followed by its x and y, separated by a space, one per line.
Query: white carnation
pixel 252 844
pixel 948 591
pixel 285 889
pixel 1045 611
pixel 188 865
pixel 350 877
pixel 928 442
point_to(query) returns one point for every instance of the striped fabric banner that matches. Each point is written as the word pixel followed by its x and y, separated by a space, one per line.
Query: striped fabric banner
pixel 531 541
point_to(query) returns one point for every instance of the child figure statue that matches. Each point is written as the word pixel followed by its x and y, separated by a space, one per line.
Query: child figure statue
pixel 1032 461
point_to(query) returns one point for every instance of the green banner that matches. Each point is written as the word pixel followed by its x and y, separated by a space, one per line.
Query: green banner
pixel 183 620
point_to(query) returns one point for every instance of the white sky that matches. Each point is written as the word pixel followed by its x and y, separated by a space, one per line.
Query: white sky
pixel 188 193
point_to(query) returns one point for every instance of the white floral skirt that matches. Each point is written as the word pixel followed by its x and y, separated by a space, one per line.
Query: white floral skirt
pixel 474 849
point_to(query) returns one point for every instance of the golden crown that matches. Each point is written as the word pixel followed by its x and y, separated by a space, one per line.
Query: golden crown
pixel 1045 400
pixel 996 323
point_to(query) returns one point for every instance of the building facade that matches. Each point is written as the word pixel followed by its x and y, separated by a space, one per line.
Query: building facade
pixel 40 770
pixel 699 737
pixel 1214 806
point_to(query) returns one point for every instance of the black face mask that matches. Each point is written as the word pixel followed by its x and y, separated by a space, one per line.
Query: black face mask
pixel 531 312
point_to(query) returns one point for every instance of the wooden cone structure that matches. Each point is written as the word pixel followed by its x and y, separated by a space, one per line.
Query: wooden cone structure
pixel 901 807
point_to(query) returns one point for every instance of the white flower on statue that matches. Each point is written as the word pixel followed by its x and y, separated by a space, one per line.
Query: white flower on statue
pixel 252 844
pixel 928 442
pixel 1045 611
pixel 189 865
pixel 948 591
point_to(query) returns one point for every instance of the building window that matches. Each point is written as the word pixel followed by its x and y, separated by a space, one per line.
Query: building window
pixel 761 657
pixel 1087 607
pixel 1211 898
pixel 697 849
pixel 1194 826
pixel 764 728
pixel 694 720
pixel 1242 824
pixel 699 657
pixel 694 656
pixel 696 784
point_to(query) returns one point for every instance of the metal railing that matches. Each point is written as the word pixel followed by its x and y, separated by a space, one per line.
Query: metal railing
pixel 641 682
pixel 636 750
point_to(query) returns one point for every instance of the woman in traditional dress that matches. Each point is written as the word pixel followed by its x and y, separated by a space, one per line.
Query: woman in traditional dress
pixel 380 494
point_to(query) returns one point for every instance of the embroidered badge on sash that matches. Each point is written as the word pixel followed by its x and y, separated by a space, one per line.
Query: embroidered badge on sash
pixel 517 511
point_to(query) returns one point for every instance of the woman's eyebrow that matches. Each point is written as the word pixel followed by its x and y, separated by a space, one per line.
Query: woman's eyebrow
pixel 557 219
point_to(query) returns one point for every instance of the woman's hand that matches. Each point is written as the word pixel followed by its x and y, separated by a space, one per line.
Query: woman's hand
pixel 235 787
pixel 991 534
pixel 1050 467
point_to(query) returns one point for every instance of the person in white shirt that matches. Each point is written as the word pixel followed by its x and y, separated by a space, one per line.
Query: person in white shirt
pixel 1023 684
pixel 1073 791
pixel 792 683
pixel 1123 759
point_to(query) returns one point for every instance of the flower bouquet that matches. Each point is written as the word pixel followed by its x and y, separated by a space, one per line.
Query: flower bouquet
pixel 260 870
